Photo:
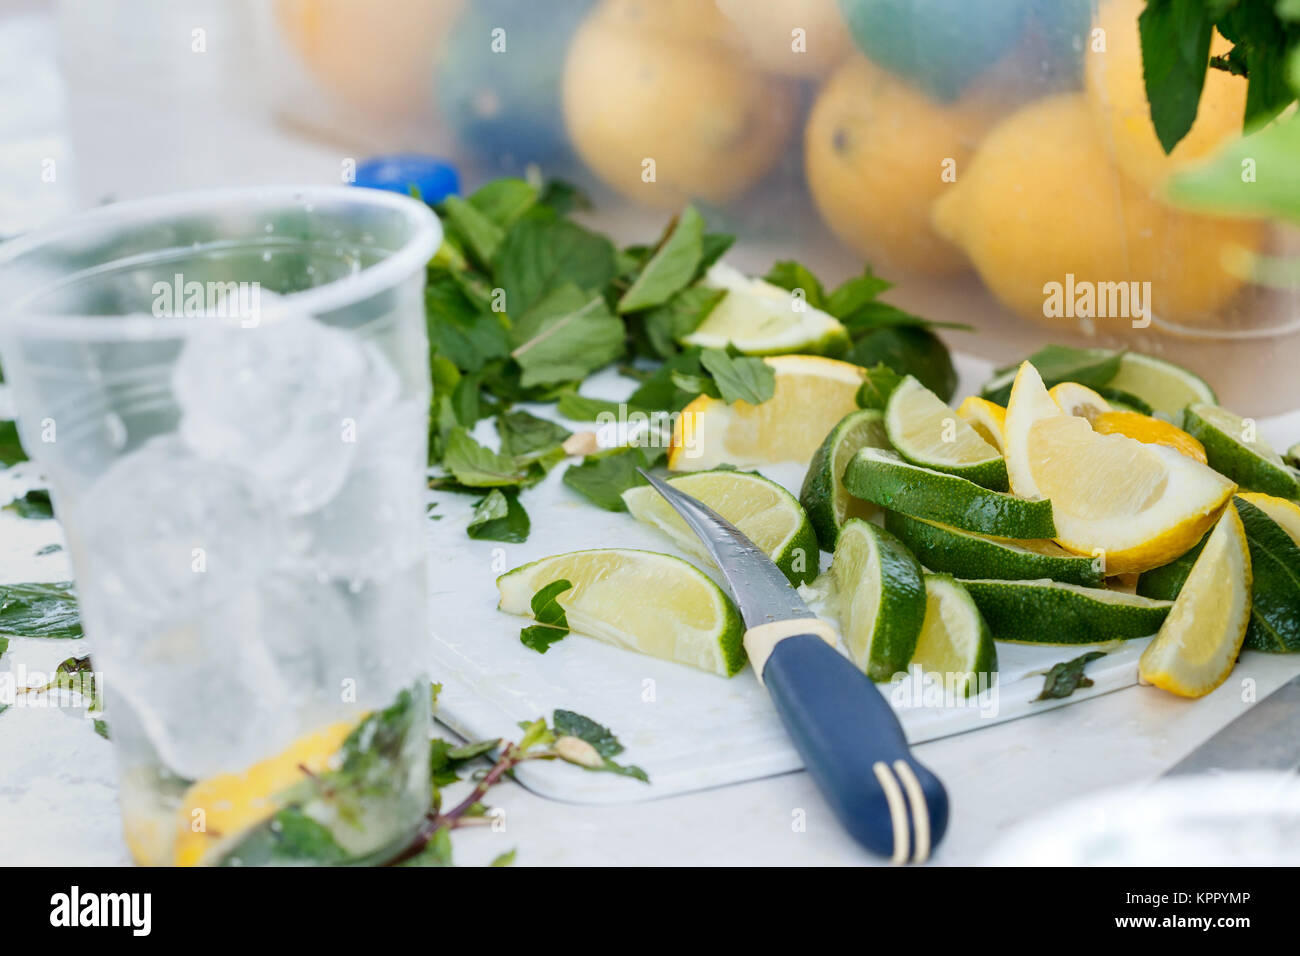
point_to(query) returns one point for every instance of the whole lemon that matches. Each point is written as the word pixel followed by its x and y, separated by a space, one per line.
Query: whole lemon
pixel 1041 200
pixel 791 37
pixel 664 108
pixel 878 152
pixel 1117 93
pixel 375 54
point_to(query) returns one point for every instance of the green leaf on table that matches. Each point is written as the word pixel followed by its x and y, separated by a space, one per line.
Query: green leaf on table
pixel 475 748
pixel 499 517
pixel 790 275
pixel 671 267
pixel 668 324
pixel 11 449
pixel 526 437
pixel 39 610
pixel 480 467
pixel 504 200
pixel 552 623
pixel 878 384
pixel 566 336
pixel 583 408
pixel 4 645
pixel 504 859
pixel 459 329
pixel 908 350
pixel 542 253
pixel 478 233
pixel 35 504
pixel 603 477
pixel 1175 38
pixel 567 723
pixel 739 377
pixel 1067 677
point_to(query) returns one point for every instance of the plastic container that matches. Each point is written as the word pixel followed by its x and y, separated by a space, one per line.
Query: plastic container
pixel 995 159
pixel 228 392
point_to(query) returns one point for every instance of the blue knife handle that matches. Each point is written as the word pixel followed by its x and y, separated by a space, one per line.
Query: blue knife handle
pixel 844 728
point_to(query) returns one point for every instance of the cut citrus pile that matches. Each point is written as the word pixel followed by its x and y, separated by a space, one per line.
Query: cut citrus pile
pixel 652 603
pixel 1198 643
pixel 759 318
pixel 882 599
pixel 1138 505
pixel 823 494
pixel 231 804
pixel 955 641
pixel 761 509
pixel 811 395
pixel 927 432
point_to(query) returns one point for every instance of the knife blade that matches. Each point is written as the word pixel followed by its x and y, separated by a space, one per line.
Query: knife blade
pixel 848 736
pixel 1265 737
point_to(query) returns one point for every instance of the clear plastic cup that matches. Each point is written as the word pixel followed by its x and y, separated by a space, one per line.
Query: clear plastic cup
pixel 228 392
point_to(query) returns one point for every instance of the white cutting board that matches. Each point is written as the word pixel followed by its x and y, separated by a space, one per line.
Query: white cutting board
pixel 687 729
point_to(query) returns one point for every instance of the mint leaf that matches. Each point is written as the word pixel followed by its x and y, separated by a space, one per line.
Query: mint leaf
pixel 478 233
pixel 856 294
pixel 1217 185
pixel 908 350
pixel 603 477
pixel 791 275
pixel 526 438
pixel 582 408
pixel 739 377
pixel 479 467
pixel 567 723
pixel 459 330
pixel 504 200
pixel 877 386
pixel 499 517
pixel 671 267
pixel 1059 363
pixel 541 253
pixel 566 336
pixel 1067 677
pixel 1175 55
pixel 39 610
pixel 1261 43
pixel 11 449
pixel 552 623
pixel 35 504
pixel 668 324
pixel 713 247
pixel 504 859
pixel 675 383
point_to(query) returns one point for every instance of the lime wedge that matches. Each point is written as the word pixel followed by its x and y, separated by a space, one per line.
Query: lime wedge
pixel 1293 455
pixel 1050 612
pixel 759 318
pixel 1198 644
pixel 1237 452
pixel 764 512
pixel 652 603
pixel 884 479
pixel 955 643
pixel 823 495
pixel 882 598
pixel 1275 562
pixel 927 432
pixel 965 554
pixel 1166 387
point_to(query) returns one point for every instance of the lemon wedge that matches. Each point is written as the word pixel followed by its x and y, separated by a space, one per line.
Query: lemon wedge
pixel 1135 505
pixel 811 395
pixel 1198 644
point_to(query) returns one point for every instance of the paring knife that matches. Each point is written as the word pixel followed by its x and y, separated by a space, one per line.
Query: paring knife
pixel 1266 737
pixel 850 740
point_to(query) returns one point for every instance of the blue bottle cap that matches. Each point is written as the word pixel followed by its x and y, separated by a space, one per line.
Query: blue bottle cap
pixel 434 179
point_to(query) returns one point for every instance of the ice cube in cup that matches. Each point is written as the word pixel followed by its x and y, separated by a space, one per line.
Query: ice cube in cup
pixel 281 398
